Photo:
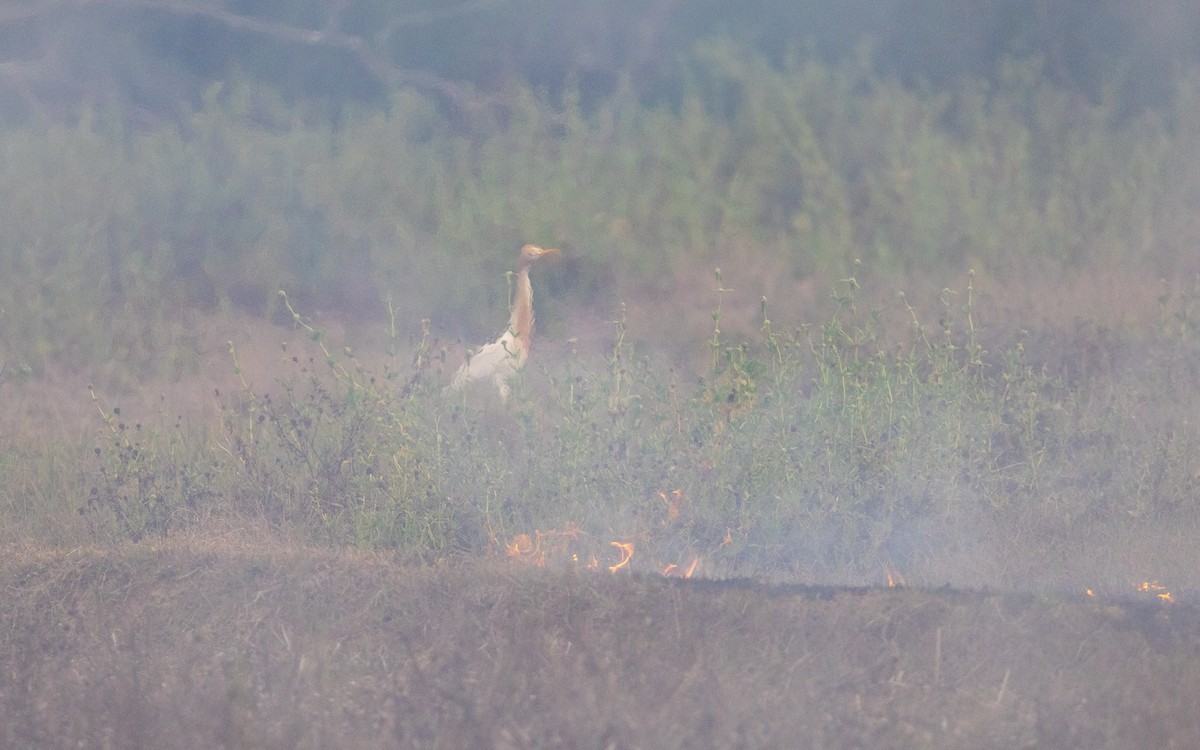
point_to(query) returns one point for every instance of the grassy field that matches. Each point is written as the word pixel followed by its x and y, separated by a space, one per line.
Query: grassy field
pixel 870 441
pixel 905 542
pixel 917 467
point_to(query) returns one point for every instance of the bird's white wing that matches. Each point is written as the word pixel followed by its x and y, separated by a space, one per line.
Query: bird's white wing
pixel 497 361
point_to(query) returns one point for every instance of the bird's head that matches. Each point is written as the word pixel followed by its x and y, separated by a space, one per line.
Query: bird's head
pixel 530 253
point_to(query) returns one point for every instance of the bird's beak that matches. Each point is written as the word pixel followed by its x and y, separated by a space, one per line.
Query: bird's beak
pixel 533 252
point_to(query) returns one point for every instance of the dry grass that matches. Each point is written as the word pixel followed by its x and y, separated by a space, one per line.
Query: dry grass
pixel 224 643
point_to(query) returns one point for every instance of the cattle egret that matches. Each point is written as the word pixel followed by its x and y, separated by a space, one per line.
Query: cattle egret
pixel 501 359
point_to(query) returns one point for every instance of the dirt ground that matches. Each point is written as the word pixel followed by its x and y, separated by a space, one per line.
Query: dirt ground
pixel 217 645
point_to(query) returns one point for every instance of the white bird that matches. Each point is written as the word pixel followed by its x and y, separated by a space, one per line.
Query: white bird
pixel 501 359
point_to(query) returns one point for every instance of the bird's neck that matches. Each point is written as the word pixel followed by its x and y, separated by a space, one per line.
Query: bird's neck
pixel 521 321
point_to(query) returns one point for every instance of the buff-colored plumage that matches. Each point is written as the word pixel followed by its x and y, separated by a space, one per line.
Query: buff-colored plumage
pixel 501 359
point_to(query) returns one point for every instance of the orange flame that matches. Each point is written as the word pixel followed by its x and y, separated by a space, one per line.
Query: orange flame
pixel 674 571
pixel 626 555
pixel 674 503
pixel 520 546
pixel 1146 587
pixel 533 550
pixel 894 579
pixel 1156 588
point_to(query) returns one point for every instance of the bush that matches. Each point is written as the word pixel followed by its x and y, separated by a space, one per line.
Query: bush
pixel 833 447
pixel 805 167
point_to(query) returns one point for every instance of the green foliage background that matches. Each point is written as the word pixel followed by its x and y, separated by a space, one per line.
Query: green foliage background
pixel 112 233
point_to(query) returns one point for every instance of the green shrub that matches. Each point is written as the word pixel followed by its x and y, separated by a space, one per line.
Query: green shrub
pixel 337 452
pixel 111 234
pixel 145 482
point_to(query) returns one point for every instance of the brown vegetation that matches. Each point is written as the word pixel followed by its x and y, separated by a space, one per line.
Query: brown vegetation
pixel 227 644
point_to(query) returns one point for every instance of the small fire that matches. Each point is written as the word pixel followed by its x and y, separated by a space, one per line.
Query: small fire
pixel 520 546
pixel 1159 591
pixel 545 547
pixel 533 550
pixel 626 555
pixel 894 579
pixel 674 571
pixel 674 503
pixel 1156 588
